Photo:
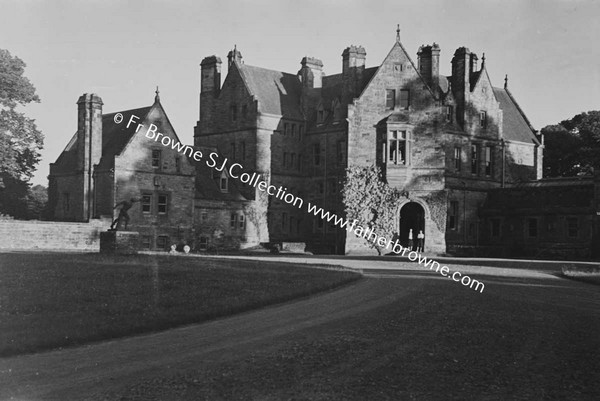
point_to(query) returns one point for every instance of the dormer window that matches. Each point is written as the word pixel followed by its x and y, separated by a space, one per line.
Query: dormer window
pixel 449 113
pixel 224 182
pixel 337 111
pixel 156 156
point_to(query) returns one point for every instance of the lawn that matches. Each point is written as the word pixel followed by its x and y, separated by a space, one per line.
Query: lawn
pixel 56 300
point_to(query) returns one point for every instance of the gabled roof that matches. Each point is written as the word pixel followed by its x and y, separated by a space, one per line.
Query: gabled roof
pixel 116 136
pixel 516 127
pixel 277 92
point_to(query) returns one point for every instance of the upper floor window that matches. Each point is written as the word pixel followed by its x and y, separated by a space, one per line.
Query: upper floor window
pixel 397 147
pixel 156 155
pixel 292 160
pixel 286 128
pixel 483 119
pixel 457 158
pixel 146 203
pixel 178 164
pixel 489 161
pixel 474 159
pixel 293 130
pixel 317 154
pixel 163 204
pixel 243 151
pixel 390 99
pixel 244 111
pixel 233 221
pixel 242 221
pixel 449 113
pixel 300 132
pixel 285 159
pixel 404 99
pixel 233 111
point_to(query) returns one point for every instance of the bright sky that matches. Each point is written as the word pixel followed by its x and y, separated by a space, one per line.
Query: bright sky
pixel 122 49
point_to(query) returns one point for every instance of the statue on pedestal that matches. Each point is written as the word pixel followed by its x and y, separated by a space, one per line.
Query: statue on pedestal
pixel 123 215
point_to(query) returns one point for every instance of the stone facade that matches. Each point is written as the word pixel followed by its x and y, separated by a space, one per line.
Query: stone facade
pixel 443 141
pixel 107 162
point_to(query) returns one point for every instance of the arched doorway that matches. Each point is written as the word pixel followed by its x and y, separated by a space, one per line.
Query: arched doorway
pixel 412 216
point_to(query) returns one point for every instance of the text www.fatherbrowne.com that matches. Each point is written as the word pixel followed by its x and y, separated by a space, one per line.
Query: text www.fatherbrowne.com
pixel 236 170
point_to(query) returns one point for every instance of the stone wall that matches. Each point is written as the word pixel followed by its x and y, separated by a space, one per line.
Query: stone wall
pixel 17 235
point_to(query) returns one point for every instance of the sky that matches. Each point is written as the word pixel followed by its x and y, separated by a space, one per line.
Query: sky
pixel 122 50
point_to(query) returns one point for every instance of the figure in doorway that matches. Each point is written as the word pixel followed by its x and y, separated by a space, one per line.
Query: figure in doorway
pixel 123 215
pixel 410 240
pixel 420 241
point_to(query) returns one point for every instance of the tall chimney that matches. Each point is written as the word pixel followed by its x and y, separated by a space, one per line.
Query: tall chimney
pixel 461 73
pixel 89 147
pixel 311 73
pixel 353 67
pixel 429 64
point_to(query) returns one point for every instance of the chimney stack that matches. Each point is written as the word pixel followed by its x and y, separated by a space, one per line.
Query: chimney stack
pixel 429 64
pixel 311 73
pixel 353 67
pixel 89 146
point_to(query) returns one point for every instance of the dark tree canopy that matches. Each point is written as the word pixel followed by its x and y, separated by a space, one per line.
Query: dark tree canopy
pixel 20 140
pixel 573 146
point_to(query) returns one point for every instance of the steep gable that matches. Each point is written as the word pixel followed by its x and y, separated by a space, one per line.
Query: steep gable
pixel 516 126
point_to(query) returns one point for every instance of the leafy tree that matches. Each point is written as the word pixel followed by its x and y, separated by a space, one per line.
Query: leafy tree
pixel 37 200
pixel 20 140
pixel 573 146
pixel 370 200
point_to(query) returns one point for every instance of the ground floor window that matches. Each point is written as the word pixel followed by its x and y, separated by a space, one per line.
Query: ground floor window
pixel 572 227
pixel 146 242
pixel 203 243
pixel 532 228
pixel 162 241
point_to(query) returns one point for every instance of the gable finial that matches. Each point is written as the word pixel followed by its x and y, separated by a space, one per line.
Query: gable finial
pixel 482 60
pixel 398 33
pixel 157 97
pixel 506 81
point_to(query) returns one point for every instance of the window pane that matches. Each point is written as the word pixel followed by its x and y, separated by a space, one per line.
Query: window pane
pixel 390 99
pixel 162 204
pixel 404 99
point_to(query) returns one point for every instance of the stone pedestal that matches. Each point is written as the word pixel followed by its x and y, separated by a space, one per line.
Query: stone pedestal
pixel 123 242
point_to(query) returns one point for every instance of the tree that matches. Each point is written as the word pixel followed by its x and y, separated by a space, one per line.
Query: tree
pixel 370 200
pixel 573 146
pixel 20 140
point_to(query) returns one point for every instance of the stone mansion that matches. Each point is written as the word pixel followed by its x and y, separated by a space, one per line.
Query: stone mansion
pixel 451 143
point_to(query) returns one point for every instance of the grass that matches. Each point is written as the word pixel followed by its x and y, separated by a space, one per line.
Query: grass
pixel 56 300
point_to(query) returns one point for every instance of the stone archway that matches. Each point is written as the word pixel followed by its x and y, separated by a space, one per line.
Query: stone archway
pixel 412 216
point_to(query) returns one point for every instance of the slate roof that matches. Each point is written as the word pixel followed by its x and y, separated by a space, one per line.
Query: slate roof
pixel 516 127
pixel 116 136
pixel 277 92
